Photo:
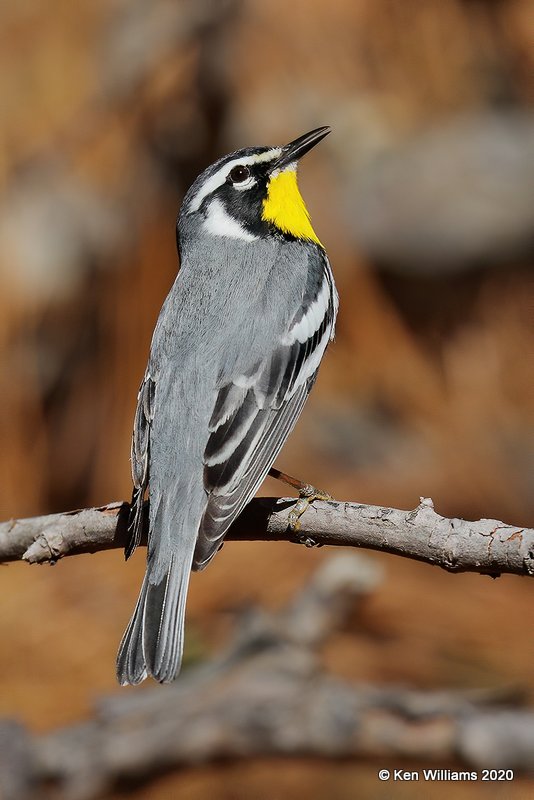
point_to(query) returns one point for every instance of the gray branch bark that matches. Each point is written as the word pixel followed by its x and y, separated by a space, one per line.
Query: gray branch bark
pixel 486 546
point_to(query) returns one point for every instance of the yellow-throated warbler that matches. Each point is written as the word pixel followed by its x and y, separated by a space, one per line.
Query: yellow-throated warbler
pixel 234 355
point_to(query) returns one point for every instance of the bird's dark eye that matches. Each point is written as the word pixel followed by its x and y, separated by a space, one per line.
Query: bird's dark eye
pixel 239 174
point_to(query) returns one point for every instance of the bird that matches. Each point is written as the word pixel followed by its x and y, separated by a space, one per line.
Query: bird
pixel 234 355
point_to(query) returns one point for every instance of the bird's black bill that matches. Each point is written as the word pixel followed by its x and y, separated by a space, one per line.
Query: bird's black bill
pixel 296 149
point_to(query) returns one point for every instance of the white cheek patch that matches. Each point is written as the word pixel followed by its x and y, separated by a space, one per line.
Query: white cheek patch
pixel 219 223
pixel 213 183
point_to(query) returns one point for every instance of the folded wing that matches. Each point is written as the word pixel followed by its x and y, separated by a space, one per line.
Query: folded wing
pixel 255 412
pixel 144 415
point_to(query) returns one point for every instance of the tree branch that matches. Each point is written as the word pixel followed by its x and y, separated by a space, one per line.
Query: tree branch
pixel 486 546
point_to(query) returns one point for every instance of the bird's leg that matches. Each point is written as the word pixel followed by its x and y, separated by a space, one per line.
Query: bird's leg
pixel 307 494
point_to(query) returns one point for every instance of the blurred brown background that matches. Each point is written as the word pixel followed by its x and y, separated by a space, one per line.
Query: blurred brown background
pixel 424 197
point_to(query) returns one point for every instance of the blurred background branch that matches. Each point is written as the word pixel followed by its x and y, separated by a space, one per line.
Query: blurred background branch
pixel 267 694
pixel 486 546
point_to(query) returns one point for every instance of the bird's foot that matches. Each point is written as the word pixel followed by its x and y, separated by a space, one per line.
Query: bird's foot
pixel 307 494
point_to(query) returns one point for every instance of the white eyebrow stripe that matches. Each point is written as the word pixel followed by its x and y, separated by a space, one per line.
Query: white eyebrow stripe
pixel 220 176
pixel 219 223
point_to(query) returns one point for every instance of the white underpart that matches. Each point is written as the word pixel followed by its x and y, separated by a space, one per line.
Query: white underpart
pixel 219 223
pixel 213 183
pixel 312 319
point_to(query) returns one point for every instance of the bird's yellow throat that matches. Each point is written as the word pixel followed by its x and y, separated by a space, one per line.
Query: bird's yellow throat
pixel 285 208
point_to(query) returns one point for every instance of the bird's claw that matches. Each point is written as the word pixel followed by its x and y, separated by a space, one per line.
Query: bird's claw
pixel 307 495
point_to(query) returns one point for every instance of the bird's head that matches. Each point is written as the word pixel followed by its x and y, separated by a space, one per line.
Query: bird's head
pixel 252 193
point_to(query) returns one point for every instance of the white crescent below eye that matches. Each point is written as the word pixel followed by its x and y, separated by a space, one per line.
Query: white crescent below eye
pixel 250 181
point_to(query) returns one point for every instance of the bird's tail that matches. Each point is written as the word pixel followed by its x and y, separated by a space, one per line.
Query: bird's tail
pixel 153 641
